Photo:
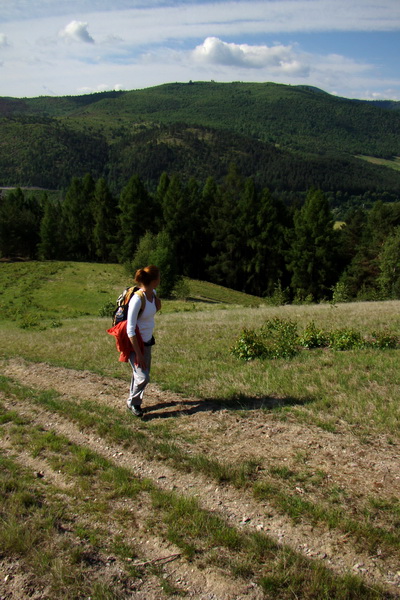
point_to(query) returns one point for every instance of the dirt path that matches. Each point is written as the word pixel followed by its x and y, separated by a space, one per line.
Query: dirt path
pixel 363 470
pixel 199 584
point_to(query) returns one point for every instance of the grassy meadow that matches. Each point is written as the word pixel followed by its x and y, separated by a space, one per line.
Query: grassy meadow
pixel 53 313
pixel 50 312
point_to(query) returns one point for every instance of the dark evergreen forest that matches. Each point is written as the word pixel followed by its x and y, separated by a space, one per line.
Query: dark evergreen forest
pixel 233 233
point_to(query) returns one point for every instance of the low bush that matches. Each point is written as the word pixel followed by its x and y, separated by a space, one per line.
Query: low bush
pixel 313 337
pixel 345 339
pixel 278 338
pixel 107 310
pixel 383 340
pixel 249 346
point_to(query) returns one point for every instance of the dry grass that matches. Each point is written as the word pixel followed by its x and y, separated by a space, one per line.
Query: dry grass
pixel 192 356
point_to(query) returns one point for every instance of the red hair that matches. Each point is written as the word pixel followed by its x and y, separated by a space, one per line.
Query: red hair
pixel 146 275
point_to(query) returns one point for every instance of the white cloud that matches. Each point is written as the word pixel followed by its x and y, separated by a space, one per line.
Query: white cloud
pixel 102 87
pixel 141 43
pixel 216 52
pixel 3 40
pixel 77 31
pixel 271 15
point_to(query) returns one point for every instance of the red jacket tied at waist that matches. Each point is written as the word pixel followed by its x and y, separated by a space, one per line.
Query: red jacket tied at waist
pixel 123 343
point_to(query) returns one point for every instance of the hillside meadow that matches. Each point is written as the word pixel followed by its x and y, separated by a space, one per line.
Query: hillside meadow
pixel 260 479
pixel 50 313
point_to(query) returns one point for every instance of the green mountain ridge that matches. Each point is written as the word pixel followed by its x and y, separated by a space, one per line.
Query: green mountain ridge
pixel 287 137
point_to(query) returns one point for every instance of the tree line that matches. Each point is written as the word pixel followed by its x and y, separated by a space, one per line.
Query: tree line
pixel 231 233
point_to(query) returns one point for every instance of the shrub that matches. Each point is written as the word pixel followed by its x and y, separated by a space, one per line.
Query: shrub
pixel 249 346
pixel 383 340
pixel 313 337
pixel 300 298
pixel 107 309
pixel 280 338
pixel 341 293
pixel 279 297
pixel 181 290
pixel 345 339
pixel 277 338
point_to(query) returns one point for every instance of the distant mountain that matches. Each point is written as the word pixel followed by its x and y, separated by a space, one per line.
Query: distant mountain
pixel 286 137
pixel 386 104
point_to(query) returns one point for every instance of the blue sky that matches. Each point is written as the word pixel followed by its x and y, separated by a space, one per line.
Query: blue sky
pixel 65 47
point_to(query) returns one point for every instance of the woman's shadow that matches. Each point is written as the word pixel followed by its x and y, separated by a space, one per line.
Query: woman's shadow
pixel 241 403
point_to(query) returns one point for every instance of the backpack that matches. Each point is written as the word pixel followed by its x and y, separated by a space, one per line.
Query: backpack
pixel 121 311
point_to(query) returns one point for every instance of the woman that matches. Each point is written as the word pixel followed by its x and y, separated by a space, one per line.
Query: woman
pixel 140 326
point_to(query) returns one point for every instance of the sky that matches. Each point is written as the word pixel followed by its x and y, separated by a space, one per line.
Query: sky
pixel 349 48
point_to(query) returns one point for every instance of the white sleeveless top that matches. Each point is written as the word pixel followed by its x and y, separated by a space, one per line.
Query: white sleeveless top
pixel 146 320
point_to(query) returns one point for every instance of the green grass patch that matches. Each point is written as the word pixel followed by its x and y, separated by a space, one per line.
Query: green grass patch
pixel 364 524
pixel 195 531
pixel 38 529
pixel 201 535
pixel 41 295
pixel 359 387
pixel 393 163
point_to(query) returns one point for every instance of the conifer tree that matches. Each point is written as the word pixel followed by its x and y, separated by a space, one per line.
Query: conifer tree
pixel 88 189
pixel 161 191
pixel 178 221
pixel 314 249
pixel 228 231
pixel 19 224
pixel 389 265
pixel 50 246
pixel 136 216
pixel 267 265
pixel 105 221
pixel 194 239
pixel 363 272
pixel 77 218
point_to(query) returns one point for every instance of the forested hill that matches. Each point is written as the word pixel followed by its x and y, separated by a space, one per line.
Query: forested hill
pixel 287 137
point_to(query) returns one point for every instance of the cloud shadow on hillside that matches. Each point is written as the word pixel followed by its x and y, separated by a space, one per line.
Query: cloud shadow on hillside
pixel 162 410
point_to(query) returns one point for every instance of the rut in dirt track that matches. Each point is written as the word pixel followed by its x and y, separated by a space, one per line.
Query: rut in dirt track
pixel 221 433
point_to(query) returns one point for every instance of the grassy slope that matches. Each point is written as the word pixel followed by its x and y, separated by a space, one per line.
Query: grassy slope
pixel 58 323
pixel 355 392
pixel 392 164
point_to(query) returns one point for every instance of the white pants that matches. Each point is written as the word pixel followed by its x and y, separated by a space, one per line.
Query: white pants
pixel 140 377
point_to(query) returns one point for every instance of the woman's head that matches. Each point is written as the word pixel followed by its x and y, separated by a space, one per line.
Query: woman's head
pixel 147 275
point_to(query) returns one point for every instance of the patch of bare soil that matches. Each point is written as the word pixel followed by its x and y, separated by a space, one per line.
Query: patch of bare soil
pixel 364 470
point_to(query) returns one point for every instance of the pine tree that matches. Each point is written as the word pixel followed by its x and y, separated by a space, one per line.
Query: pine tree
pixel 88 190
pixel 161 192
pixel 314 249
pixel 50 246
pixel 268 242
pixel 78 220
pixel 136 216
pixel 363 272
pixel 226 264
pixel 389 265
pixel 105 214
pixel 178 221
pixel 19 224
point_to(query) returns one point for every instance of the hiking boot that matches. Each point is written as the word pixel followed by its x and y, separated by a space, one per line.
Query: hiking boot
pixel 136 409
